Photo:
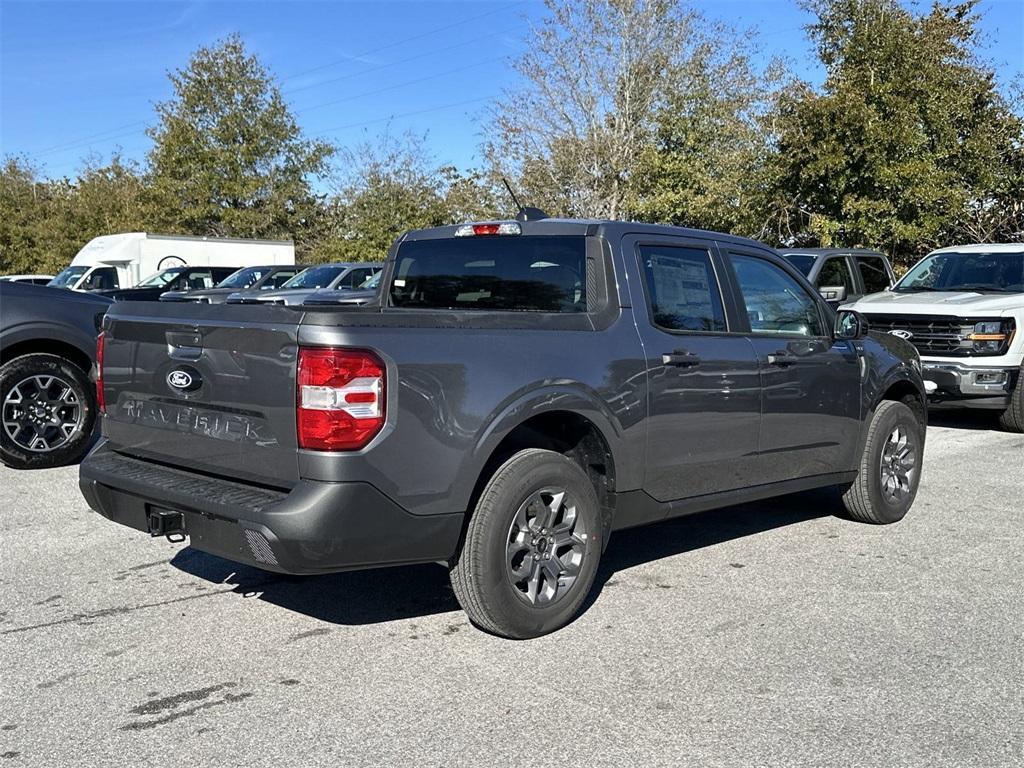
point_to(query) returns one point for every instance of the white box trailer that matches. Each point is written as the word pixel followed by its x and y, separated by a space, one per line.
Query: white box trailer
pixel 125 260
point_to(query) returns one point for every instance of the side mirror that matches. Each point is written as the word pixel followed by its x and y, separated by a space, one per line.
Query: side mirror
pixel 850 325
pixel 833 292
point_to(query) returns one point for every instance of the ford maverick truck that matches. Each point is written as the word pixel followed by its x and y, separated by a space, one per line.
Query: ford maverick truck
pixel 518 391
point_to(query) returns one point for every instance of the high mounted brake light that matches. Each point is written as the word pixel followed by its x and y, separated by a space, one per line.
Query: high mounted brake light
pixel 339 398
pixel 490 228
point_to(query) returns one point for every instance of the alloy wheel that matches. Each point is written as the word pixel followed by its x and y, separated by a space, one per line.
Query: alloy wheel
pixel 42 413
pixel 898 464
pixel 546 544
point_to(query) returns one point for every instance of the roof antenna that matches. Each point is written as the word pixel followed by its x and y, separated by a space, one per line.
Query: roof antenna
pixel 523 213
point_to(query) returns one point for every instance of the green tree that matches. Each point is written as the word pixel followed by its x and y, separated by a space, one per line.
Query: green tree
pixel 908 145
pixel 705 165
pixel 43 223
pixel 229 158
pixel 592 80
pixel 389 186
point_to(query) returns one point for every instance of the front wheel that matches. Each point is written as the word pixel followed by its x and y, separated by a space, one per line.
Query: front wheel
pixel 48 412
pixel 890 467
pixel 1012 419
pixel 532 546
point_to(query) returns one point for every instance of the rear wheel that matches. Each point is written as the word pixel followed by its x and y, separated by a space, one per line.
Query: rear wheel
pixel 890 467
pixel 47 412
pixel 532 547
pixel 1012 419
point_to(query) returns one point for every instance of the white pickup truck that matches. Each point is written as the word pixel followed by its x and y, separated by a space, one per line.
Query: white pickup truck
pixel 963 308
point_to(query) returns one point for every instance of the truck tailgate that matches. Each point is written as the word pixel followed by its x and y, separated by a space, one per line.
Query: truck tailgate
pixel 208 387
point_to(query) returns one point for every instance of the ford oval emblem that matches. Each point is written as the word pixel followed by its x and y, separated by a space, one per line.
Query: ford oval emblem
pixel 901 334
pixel 182 380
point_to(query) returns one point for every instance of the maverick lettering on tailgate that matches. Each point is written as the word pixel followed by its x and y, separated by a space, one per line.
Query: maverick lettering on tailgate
pixel 199 421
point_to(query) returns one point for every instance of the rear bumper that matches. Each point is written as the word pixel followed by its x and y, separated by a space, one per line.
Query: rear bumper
pixel 969 385
pixel 316 527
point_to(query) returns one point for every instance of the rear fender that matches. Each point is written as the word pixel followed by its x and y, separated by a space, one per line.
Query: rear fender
pixel 572 397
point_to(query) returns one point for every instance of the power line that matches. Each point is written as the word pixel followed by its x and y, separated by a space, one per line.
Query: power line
pixel 87 139
pixel 404 114
pixel 403 41
pixel 395 87
pixel 118 132
pixel 379 67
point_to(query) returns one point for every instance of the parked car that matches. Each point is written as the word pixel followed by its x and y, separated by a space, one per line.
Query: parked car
pixel 963 308
pixel 522 390
pixel 337 277
pixel 263 278
pixel 843 274
pixel 31 279
pixel 173 279
pixel 110 262
pixel 47 348
pixel 366 293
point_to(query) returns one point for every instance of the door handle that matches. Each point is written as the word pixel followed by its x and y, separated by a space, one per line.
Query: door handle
pixel 782 357
pixel 680 358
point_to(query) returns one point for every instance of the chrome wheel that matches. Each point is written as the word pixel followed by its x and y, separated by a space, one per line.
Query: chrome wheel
pixel 546 544
pixel 42 413
pixel 899 463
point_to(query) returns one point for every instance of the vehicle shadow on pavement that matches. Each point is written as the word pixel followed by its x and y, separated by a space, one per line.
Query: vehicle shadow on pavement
pixel 965 419
pixel 677 536
pixel 388 594
pixel 355 597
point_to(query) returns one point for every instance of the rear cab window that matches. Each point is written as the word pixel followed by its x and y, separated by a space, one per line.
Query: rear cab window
pixel 518 273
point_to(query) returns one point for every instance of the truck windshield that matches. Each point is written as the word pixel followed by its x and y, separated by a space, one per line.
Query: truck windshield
pixel 315 277
pixel 504 273
pixel 243 278
pixel 68 277
pixel 802 261
pixel 979 272
pixel 160 279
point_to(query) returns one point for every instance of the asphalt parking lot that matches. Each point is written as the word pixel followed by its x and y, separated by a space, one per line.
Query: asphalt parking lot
pixel 770 634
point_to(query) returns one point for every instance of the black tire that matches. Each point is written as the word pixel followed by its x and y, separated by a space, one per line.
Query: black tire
pixel 1012 419
pixel 875 497
pixel 70 443
pixel 484 574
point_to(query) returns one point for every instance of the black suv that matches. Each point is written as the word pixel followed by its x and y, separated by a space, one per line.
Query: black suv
pixel 520 390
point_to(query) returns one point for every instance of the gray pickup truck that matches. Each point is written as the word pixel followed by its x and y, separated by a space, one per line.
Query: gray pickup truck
pixel 520 390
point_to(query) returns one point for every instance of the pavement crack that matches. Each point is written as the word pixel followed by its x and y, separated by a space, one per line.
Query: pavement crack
pixel 84 618
pixel 169 702
pixel 142 725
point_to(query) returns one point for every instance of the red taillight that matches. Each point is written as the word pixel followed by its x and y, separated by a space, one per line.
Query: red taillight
pixel 339 398
pixel 101 399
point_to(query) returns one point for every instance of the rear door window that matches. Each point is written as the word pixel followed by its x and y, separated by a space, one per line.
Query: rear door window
pixel 682 288
pixel 279 278
pixel 876 276
pixel 492 273
pixel 355 278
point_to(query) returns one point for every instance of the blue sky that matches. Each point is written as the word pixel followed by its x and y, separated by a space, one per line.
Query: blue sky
pixel 81 77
